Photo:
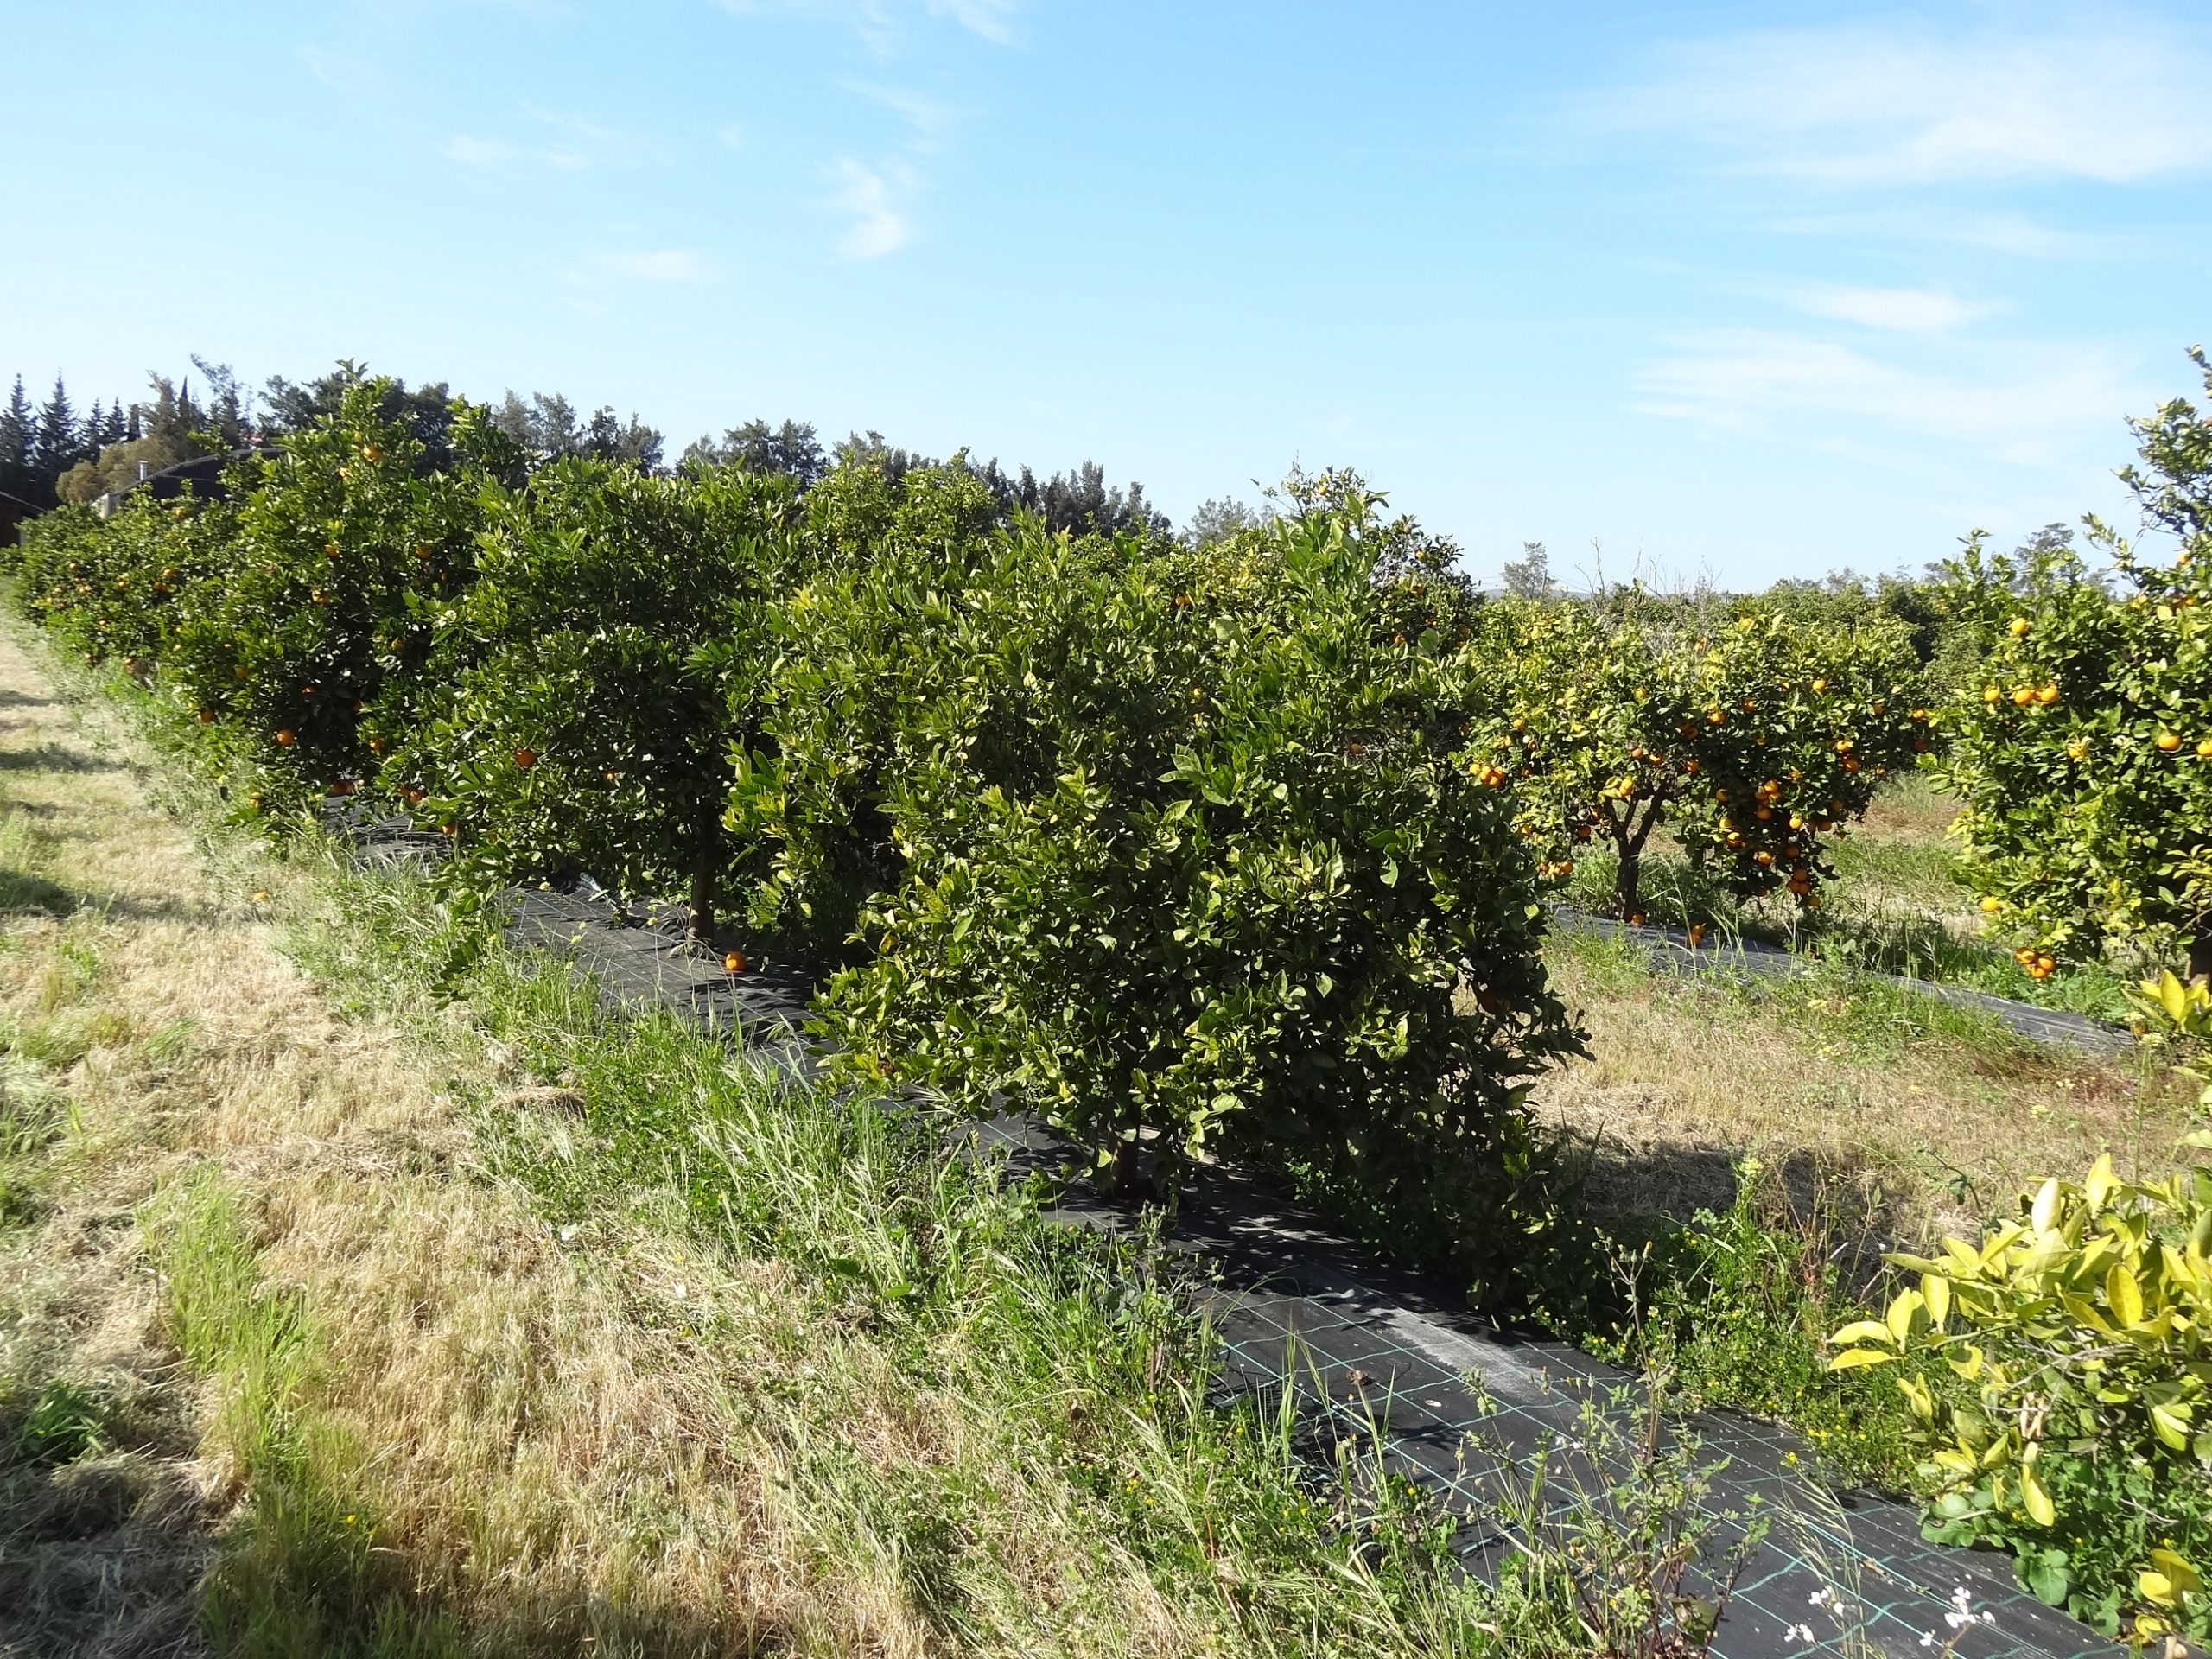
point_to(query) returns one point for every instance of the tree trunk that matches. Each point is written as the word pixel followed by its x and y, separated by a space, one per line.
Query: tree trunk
pixel 1629 893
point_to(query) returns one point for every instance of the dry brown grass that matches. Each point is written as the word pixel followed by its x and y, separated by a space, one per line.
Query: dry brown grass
pixel 560 1449
pixel 1945 1123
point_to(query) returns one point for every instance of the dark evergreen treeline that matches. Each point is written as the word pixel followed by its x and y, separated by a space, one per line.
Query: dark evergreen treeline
pixel 50 453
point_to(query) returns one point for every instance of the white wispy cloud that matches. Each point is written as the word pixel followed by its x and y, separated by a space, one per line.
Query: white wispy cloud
pixel 928 118
pixel 354 77
pixel 663 265
pixel 1991 233
pixel 884 25
pixel 1906 311
pixel 552 140
pixel 992 19
pixel 872 197
pixel 2026 405
pixel 1909 104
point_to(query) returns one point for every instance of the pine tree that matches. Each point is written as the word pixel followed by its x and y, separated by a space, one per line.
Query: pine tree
pixel 54 447
pixel 18 425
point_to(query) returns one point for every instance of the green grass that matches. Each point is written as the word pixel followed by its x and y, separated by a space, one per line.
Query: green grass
pixel 301 1573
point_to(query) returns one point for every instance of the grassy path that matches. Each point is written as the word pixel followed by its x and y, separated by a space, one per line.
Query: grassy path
pixel 395 1391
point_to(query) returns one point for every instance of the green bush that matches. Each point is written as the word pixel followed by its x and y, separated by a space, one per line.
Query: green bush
pixel 1186 845
pixel 347 551
pixel 583 696
pixel 854 648
pixel 111 588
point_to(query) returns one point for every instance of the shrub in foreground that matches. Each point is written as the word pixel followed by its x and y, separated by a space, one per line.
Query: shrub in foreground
pixel 2082 1440
pixel 1190 855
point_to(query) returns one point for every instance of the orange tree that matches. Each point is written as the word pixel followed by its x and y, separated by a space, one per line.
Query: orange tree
pixel 345 548
pixel 110 587
pixel 587 689
pixel 1187 856
pixel 1751 736
pixel 2084 756
pixel 889 556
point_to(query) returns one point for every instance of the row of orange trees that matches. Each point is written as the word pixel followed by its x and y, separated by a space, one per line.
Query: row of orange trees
pixel 1244 840
pixel 1181 846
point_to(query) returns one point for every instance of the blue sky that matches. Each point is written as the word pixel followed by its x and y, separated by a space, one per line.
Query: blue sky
pixel 1715 295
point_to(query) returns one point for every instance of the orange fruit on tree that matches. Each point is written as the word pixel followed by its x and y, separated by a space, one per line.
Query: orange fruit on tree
pixel 2169 741
pixel 734 961
pixel 525 759
pixel 286 737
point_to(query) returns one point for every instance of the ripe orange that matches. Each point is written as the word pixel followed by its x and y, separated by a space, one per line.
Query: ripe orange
pixel 734 961
pixel 2169 741
pixel 1697 934
pixel 286 737
pixel 525 759
pixel 2017 627
pixel 2204 749
pixel 1819 685
pixel 207 716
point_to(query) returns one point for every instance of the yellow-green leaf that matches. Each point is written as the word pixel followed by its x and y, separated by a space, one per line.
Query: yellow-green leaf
pixel 1936 1290
pixel 2173 996
pixel 1853 1358
pixel 1899 1317
pixel 2123 1295
pixel 1862 1331
pixel 2156 1588
pixel 2102 1182
pixel 2043 1212
pixel 2040 1508
pixel 2178 1571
